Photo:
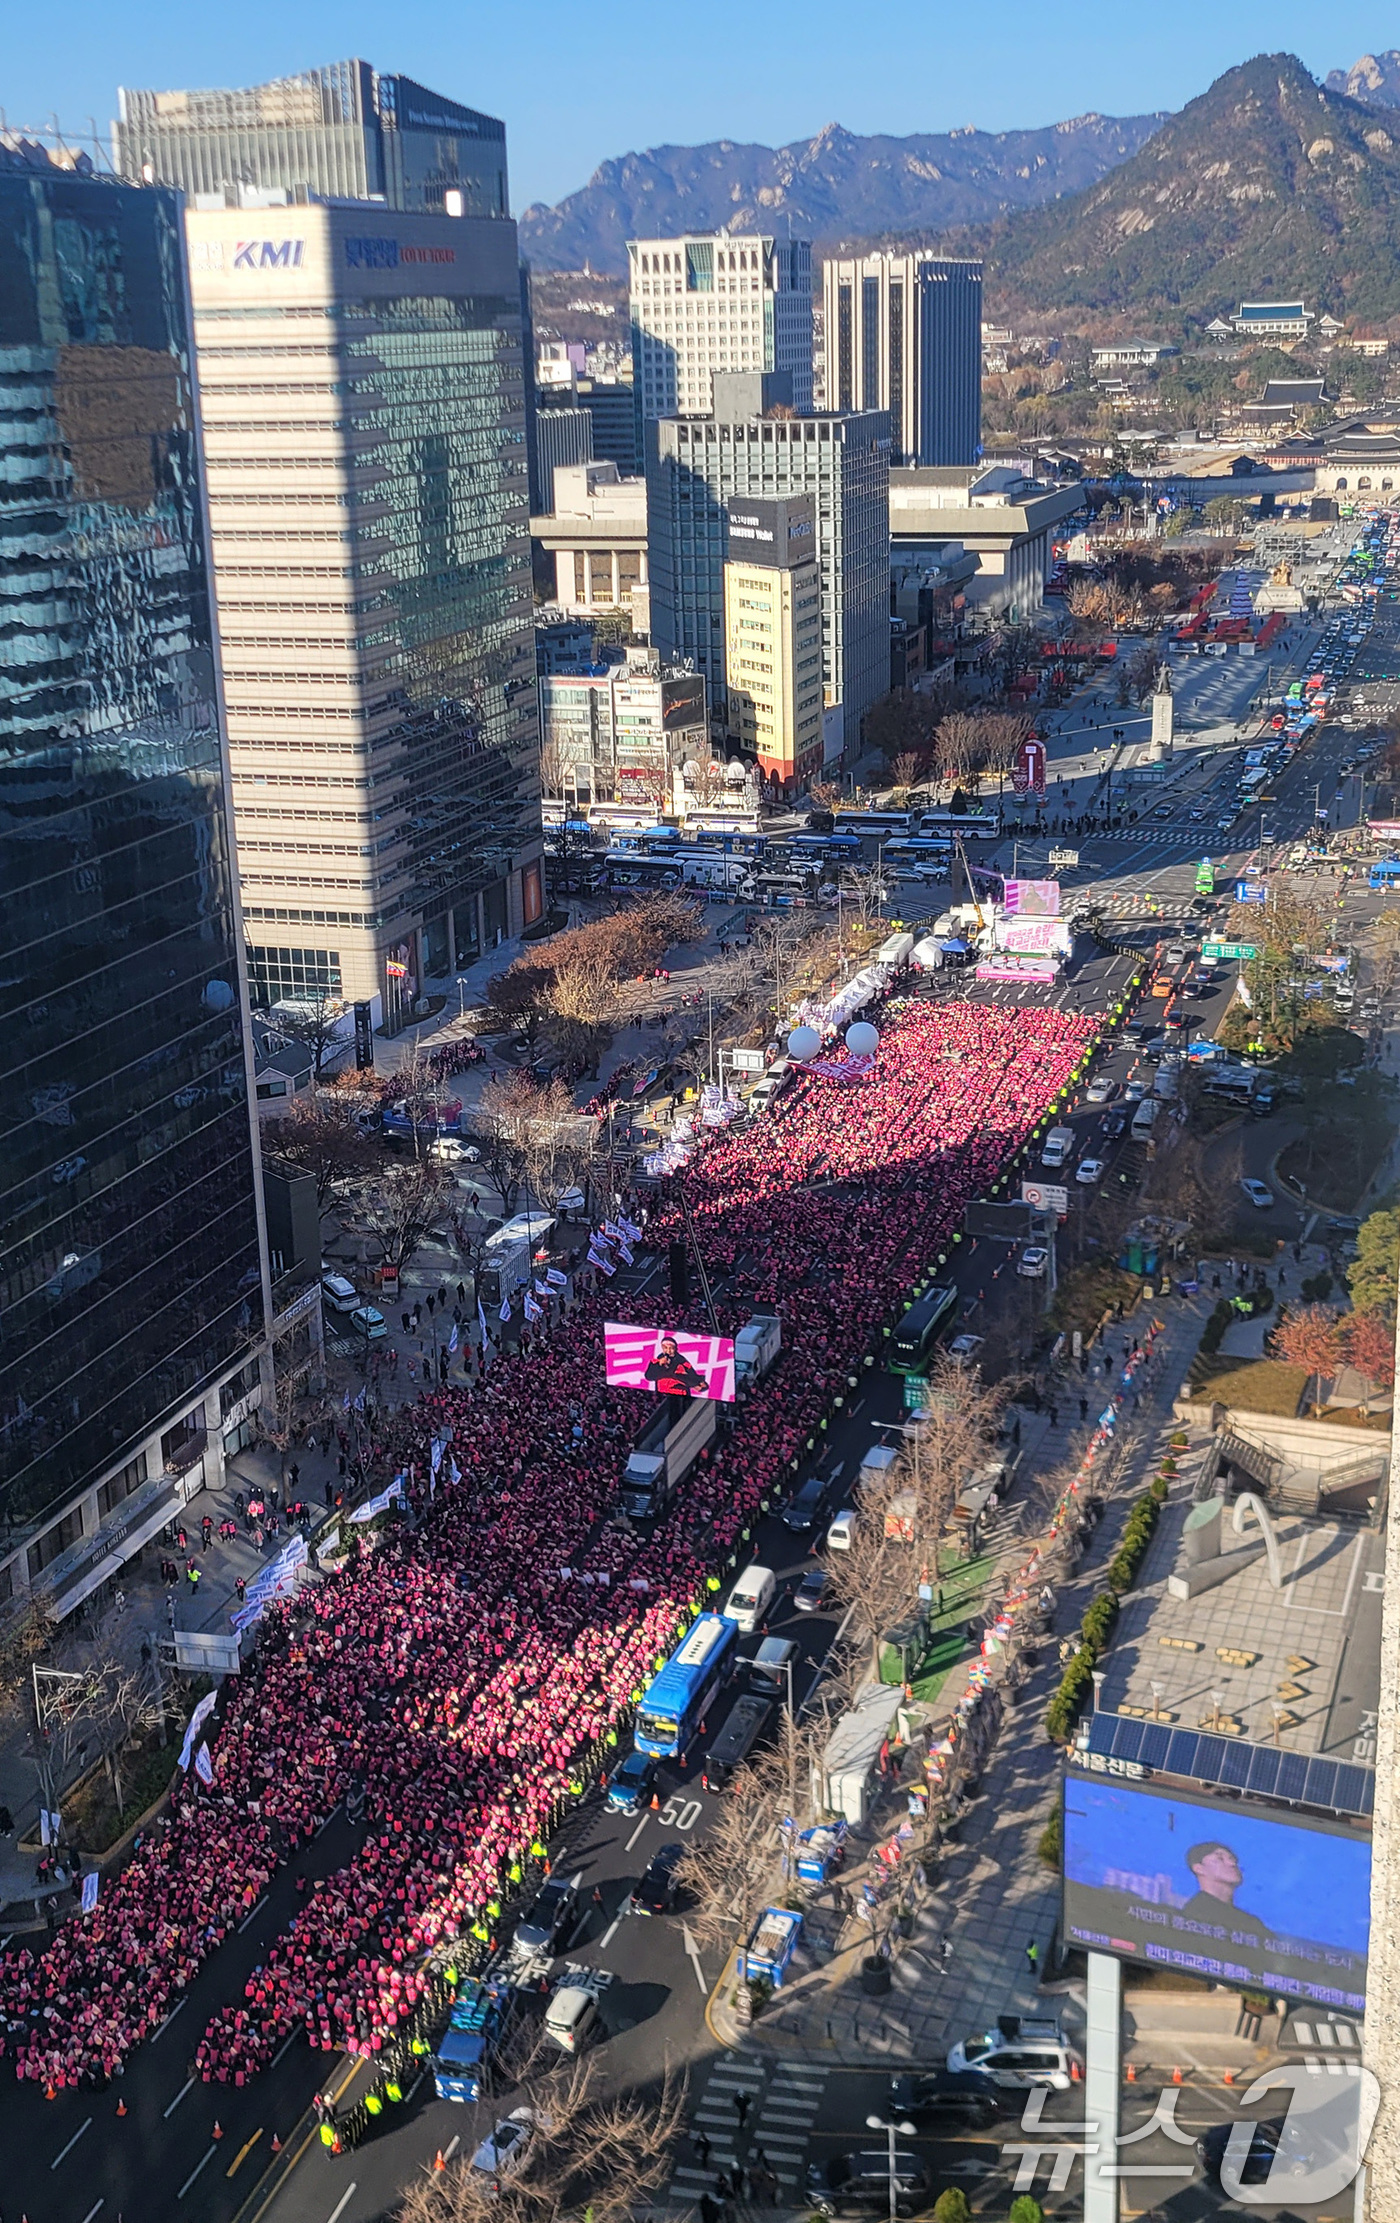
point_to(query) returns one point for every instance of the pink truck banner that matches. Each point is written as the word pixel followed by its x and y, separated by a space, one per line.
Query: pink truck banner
pixel 1015 967
pixel 669 1361
pixel 1045 936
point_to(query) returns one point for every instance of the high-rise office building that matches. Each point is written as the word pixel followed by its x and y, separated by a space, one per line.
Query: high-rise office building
pixel 133 1275
pixel 697 466
pixel 719 303
pixel 346 131
pixel 904 333
pixel 364 418
pixel 773 638
pixel 563 439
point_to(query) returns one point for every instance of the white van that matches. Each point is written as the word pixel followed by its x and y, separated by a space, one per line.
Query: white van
pixel 751 1599
pixel 570 2017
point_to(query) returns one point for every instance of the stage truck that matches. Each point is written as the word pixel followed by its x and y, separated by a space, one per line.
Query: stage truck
pixel 664 1454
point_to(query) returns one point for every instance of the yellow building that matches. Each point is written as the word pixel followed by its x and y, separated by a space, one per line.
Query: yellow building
pixel 773 639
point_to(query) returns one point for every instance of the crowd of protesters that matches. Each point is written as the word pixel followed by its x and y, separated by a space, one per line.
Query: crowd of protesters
pixel 466 1668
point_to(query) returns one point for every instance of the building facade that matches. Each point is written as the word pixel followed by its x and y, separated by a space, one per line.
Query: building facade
pixel 1007 521
pixel 698 466
pixel 345 131
pixel 364 410
pixel 133 1268
pixel 903 333
pixel 563 439
pixel 773 639
pixel 620 732
pixel 717 303
pixel 595 541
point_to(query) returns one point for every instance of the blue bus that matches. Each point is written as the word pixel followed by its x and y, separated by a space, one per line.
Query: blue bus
pixel 835 846
pixel 1385 873
pixel 676 1702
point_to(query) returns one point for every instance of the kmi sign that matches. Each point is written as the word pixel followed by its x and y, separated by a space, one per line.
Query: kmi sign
pixel 269 254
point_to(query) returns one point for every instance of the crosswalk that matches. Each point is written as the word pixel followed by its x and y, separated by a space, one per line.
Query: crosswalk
pixel 774 2127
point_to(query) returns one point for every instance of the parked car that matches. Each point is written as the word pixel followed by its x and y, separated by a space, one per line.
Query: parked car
pixel 1025 2053
pixel 806 1508
pixel 841 1533
pixel 367 1320
pixel 631 1783
pixel 1265 2141
pixel 1115 1124
pixel 810 1592
pixel 656 1893
pixel 1089 1170
pixel 964 1347
pixel 859 2183
pixel 503 2150
pixel 1033 1262
pixel 338 1294
pixel 959 2096
pixel 1101 1090
pixel 552 1916
pixel 1259 1196
pixel 450 1150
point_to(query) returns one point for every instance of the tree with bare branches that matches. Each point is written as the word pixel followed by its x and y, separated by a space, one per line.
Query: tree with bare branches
pixel 322 1136
pixel 728 1872
pixel 403 1207
pixel 587 2156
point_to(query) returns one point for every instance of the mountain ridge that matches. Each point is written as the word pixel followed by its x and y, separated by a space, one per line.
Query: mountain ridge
pixel 836 186
pixel 1267 185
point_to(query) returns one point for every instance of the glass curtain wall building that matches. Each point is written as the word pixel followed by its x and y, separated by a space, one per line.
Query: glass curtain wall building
pixel 133 1280
pixel 363 400
pixel 345 131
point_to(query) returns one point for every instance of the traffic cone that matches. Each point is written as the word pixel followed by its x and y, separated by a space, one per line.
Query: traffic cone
pixel 1074 2074
pixel 49 2092
pixel 121 2106
pixel 276 2143
pixel 1228 2077
pixel 1176 2076
pixel 217 2131
pixel 655 1803
pixel 336 2146
pixel 438 2162
pixel 1132 2073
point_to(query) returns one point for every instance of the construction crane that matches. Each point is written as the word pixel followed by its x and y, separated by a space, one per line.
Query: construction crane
pixel 967 875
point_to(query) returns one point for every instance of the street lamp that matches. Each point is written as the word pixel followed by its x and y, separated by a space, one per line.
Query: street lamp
pixel 904 2130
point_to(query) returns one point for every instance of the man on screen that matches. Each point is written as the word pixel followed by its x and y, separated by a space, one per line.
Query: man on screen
pixel 673 1375
pixel 1218 1877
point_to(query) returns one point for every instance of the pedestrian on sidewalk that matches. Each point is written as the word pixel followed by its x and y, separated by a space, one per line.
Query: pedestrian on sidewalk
pixel 1033 1958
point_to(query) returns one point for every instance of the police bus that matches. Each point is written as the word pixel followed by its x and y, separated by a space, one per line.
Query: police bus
pixel 675 1704
pixel 919 1326
pixel 872 822
pixel 973 825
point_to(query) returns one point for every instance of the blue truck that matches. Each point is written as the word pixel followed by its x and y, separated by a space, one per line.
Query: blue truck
pixel 480 2016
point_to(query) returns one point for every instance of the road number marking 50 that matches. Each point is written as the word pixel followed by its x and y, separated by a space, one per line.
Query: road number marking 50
pixel 680 1814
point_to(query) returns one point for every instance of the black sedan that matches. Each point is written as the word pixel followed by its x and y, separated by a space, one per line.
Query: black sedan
pixel 1263 2145
pixel 656 1893
pixel 947 2096
pixel 551 1919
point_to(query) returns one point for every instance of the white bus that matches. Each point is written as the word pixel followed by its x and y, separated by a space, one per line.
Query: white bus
pixel 975 825
pixel 872 821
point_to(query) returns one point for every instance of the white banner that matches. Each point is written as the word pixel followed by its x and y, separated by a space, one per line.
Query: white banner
pixel 92 1885
pixel 373 1505
pixel 197 1720
pixel 203 1765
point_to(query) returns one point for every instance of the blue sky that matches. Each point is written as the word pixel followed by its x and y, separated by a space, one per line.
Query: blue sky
pixel 577 83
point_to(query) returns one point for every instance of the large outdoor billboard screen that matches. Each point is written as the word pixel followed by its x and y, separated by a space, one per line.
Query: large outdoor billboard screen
pixel 669 1360
pixel 1221 1889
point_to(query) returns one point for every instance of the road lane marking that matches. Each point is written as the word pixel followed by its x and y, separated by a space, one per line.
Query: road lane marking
pixel 615 1924
pixel 94 2211
pixel 637 1832
pixel 242 2154
pixel 449 2151
pixel 70 2145
pixel 290 2040
pixel 342 2203
pixel 251 1912
pixel 171 2017
pixel 177 2099
pixel 196 2171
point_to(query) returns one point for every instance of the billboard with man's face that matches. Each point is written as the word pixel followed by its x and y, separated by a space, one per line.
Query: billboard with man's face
pixel 669 1360
pixel 1220 1888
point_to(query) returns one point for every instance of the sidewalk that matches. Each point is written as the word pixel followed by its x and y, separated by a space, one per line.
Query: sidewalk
pixel 990 1893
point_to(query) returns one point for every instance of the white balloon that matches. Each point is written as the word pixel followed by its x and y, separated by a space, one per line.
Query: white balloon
pixel 804 1042
pixel 862 1040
